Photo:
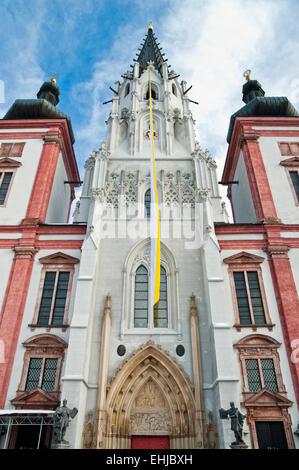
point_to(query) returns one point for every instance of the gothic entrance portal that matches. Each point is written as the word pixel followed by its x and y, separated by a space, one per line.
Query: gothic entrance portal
pixel 150 403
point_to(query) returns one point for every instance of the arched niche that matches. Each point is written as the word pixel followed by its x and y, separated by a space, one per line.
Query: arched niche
pixel 140 255
pixel 150 394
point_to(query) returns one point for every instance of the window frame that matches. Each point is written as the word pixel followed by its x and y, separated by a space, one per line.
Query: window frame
pixel 140 254
pixel 150 311
pixel 58 262
pixel 8 166
pixel 11 153
pixel 42 372
pixel 246 262
pixel 257 346
pixel 291 164
pixel 148 190
pixel 289 151
pixel 43 347
pixel 261 374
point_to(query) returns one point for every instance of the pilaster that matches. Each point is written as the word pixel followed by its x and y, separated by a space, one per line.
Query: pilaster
pixel 257 176
pixel 99 425
pixel 197 373
pixel 287 302
pixel 41 191
pixel 12 310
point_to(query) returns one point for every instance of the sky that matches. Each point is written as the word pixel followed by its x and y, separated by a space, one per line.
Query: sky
pixel 91 43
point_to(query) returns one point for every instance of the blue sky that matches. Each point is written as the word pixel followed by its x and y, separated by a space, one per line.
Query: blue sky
pixel 91 43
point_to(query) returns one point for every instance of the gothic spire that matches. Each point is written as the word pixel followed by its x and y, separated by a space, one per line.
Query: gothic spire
pixel 150 51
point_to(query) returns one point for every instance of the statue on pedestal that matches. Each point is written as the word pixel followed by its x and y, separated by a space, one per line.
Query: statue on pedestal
pixel 236 422
pixel 61 420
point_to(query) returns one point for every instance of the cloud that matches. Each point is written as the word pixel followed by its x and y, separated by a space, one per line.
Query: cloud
pixel 211 44
pixel 90 45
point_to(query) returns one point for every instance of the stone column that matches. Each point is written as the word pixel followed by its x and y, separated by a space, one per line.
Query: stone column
pixel 100 418
pixel 41 191
pixel 197 374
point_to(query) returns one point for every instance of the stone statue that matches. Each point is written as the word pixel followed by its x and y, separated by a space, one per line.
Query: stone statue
pixel 61 420
pixel 236 422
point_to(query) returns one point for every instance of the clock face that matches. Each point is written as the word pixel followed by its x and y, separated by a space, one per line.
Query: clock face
pixel 147 133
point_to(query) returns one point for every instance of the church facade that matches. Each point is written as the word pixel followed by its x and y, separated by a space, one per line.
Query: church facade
pixel 76 321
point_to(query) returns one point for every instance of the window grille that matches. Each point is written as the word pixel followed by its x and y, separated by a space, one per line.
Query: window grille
pixel 49 375
pixel 253 375
pixel 34 371
pixel 147 203
pixel 160 310
pixel 269 375
pixel 254 370
pixel 141 298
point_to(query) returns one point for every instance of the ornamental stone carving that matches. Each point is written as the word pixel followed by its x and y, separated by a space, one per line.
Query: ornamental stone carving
pixel 150 398
pixel 89 164
pixel 112 189
pixel 130 188
pixel 149 422
pixel 99 194
pixel 145 257
pixel 187 190
pixel 170 190
pixel 88 432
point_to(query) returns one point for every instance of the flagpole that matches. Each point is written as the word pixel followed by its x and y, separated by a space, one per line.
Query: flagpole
pixel 155 222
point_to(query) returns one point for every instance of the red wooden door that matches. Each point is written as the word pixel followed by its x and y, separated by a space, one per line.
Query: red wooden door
pixel 150 442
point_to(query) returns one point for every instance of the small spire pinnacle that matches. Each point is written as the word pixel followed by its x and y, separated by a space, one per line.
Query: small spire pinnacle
pixel 150 52
pixel 246 74
pixel 53 79
pixel 150 26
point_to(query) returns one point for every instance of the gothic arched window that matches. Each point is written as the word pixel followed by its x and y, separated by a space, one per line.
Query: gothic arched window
pixel 154 93
pixel 127 90
pixel 137 311
pixel 174 89
pixel 147 203
pixel 141 298
pixel 159 317
pixel 160 309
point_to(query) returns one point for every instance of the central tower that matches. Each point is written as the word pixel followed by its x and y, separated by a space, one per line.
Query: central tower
pixel 138 373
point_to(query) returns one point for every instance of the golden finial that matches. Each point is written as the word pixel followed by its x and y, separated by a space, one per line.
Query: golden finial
pixel 246 74
pixel 53 79
pixel 150 26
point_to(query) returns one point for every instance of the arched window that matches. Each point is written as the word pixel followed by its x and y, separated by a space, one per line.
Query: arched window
pixel 137 311
pixel 174 89
pixel 154 93
pixel 141 298
pixel 127 91
pixel 147 203
pixel 160 309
